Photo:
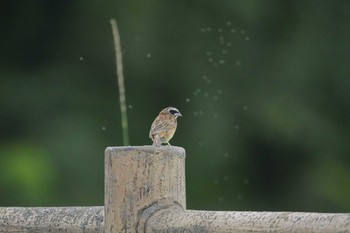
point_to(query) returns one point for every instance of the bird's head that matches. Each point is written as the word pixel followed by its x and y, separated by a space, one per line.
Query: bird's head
pixel 171 110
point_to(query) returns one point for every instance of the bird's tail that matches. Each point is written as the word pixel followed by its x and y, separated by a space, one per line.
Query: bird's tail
pixel 156 140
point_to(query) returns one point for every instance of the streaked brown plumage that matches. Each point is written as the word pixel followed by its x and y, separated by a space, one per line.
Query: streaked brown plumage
pixel 164 126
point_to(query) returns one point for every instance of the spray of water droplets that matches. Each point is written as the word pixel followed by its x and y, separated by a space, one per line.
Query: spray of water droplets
pixel 225 36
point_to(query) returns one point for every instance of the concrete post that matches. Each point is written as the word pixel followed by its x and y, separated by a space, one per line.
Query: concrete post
pixel 140 181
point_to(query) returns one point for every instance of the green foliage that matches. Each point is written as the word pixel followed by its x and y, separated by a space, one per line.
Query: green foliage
pixel 263 87
pixel 27 174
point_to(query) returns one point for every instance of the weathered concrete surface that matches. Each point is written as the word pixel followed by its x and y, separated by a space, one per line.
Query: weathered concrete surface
pixel 52 219
pixel 139 181
pixel 192 221
pixel 145 193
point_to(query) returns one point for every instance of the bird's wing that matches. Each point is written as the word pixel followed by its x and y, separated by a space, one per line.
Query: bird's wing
pixel 159 126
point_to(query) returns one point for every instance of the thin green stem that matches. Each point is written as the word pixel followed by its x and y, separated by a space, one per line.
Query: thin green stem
pixel 120 77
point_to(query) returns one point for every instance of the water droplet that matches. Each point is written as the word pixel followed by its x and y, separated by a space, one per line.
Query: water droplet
pixel 246 181
pixel 206 79
pixel 240 196
pixel 233 30
pixel 81 58
pixel 201 112
pixel 222 61
pixel 209 29
pixel 220 30
pixel 238 63
pixel 195 113
pixel 245 107
pixel 196 92
pixel 187 100
pixel 103 128
pixel 221 199
pixel 208 53
pixel 224 51
pixel 210 59
pixel 242 32
pixel 130 106
pixel 226 178
pixel 216 115
pixel 228 44
pixel 215 97
pixel 229 23
pixel 219 91
pixel 247 38
pixel 206 94
pixel 200 143
pixel 216 182
pixel 148 55
pixel 237 127
pixel 215 64
pixel 226 154
pixel 203 30
pixel 221 38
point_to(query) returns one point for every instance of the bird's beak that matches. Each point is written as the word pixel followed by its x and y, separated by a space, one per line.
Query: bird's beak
pixel 179 115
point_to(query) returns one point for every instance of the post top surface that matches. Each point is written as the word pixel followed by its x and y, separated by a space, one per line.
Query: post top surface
pixel 148 149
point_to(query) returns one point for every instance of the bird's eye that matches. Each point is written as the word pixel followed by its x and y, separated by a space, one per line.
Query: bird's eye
pixel 174 112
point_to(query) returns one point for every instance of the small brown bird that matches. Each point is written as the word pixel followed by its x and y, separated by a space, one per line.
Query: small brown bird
pixel 164 126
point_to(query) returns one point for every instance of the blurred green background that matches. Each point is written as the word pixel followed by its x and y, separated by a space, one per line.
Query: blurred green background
pixel 263 86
